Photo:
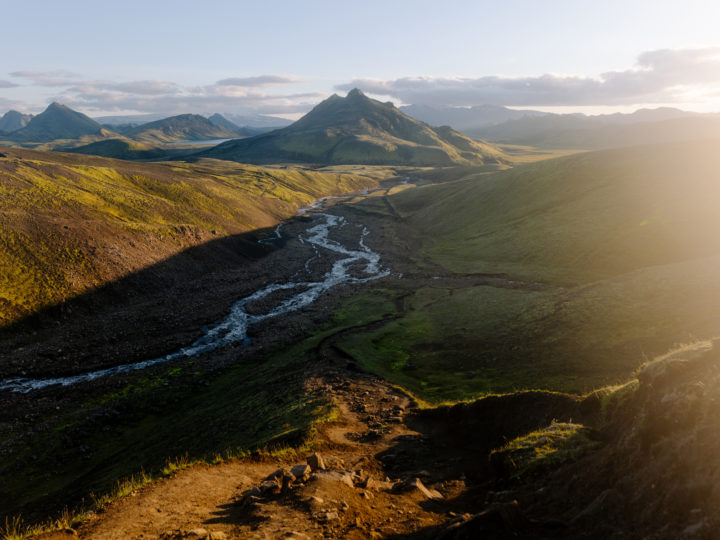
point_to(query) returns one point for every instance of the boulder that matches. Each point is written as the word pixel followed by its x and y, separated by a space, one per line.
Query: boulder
pixel 301 472
pixel 279 473
pixel 334 476
pixel 270 487
pixel 414 485
pixel 316 462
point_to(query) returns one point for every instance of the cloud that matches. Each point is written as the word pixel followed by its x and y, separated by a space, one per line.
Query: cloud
pixel 170 98
pixel 259 81
pixel 48 78
pixel 7 84
pixel 661 76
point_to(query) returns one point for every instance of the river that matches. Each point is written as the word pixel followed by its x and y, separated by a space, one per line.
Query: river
pixel 356 264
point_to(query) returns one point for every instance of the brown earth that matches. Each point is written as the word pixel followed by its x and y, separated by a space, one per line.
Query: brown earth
pixel 386 477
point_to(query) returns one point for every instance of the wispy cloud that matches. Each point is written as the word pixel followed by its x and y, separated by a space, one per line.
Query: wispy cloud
pixel 48 78
pixel 168 97
pixel 7 84
pixel 259 81
pixel 661 76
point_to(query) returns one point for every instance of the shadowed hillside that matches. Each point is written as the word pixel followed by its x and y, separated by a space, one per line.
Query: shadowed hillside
pixel 70 223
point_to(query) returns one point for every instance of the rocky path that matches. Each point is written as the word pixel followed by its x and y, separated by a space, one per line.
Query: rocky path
pixel 343 491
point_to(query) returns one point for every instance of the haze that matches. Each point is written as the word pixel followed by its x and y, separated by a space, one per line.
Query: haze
pixel 284 57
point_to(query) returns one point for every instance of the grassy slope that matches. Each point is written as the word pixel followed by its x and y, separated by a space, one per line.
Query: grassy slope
pixel 624 239
pixel 70 223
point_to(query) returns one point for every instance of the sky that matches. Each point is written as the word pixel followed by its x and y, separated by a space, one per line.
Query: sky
pixel 281 57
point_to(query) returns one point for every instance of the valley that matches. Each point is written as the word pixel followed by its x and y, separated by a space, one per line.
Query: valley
pixel 471 333
pixel 446 316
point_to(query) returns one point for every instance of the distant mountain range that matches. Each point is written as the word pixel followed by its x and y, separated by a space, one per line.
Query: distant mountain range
pixel 357 129
pixel 462 118
pixel 245 131
pixel 571 131
pixel 257 121
pixel 13 120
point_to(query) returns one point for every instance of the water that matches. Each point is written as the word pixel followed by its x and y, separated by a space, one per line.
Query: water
pixel 207 142
pixel 355 265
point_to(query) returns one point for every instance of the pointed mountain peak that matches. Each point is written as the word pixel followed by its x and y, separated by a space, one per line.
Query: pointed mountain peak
pixel 55 106
pixel 355 93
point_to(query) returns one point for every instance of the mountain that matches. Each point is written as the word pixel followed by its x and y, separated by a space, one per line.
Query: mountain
pixel 121 149
pixel 462 118
pixel 578 131
pixel 219 120
pixel 13 120
pixel 257 121
pixel 129 119
pixel 357 129
pixel 184 127
pixel 57 122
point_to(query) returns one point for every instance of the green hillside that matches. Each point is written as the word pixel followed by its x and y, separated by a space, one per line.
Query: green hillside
pixel 357 129
pixel 560 275
pixel 70 223
pixel 121 149
pixel 184 127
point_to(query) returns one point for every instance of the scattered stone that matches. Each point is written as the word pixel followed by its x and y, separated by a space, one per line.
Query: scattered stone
pixel 270 487
pixel 287 481
pixel 330 516
pixel 316 462
pixel 415 485
pixel 197 533
pixel 218 535
pixel 279 473
pixel 334 476
pixel 301 472
pixel 344 506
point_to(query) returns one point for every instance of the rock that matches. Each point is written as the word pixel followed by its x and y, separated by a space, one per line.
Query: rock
pixel 316 462
pixel 344 506
pixel 301 472
pixel 330 516
pixel 334 476
pixel 270 487
pixel 375 485
pixel 287 481
pixel 415 485
pixel 279 473
pixel 218 535
pixel 197 533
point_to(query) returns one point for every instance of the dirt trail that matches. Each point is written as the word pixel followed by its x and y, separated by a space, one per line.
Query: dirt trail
pixel 215 501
